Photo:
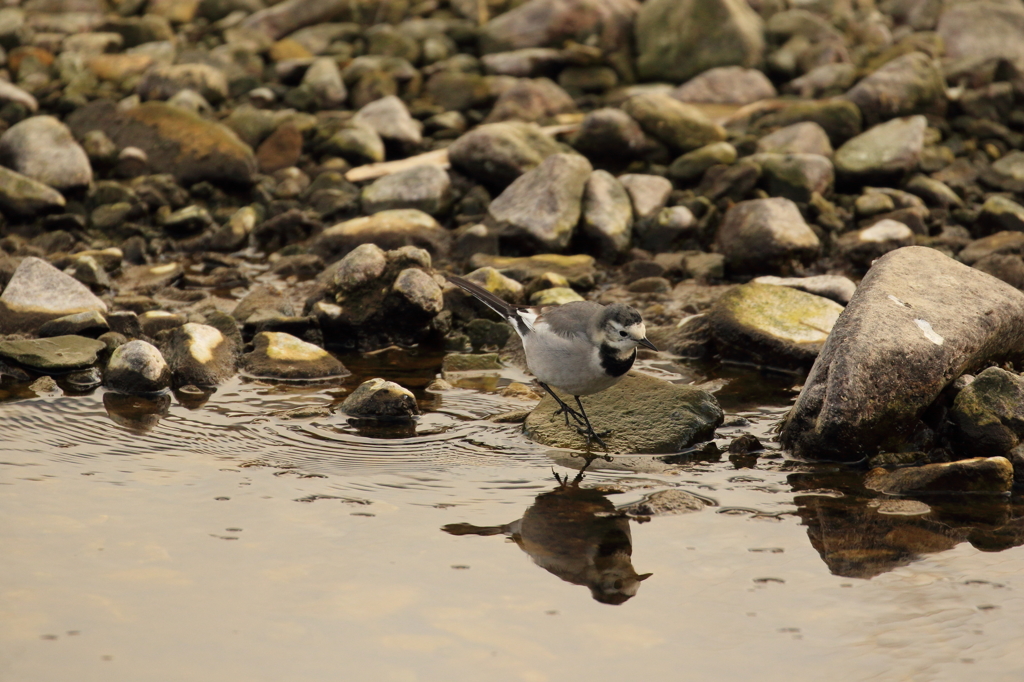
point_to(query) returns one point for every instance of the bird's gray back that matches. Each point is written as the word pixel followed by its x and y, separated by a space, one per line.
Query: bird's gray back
pixel 572 319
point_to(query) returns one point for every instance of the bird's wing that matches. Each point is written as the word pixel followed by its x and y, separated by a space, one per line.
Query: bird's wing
pixel 571 319
pixel 520 317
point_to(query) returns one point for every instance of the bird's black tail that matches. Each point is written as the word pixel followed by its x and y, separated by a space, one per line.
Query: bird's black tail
pixel 496 304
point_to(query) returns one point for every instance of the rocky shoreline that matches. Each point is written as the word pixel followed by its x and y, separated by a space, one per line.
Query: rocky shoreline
pixel 195 188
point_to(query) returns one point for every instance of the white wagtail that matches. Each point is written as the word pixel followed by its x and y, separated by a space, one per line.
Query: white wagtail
pixel 581 347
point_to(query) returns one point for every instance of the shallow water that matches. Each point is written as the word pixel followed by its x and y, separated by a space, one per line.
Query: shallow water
pixel 229 542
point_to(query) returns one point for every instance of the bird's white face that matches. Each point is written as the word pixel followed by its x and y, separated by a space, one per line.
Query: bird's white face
pixel 622 338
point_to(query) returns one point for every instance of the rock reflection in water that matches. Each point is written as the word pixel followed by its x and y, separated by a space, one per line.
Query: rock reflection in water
pixel 860 534
pixel 135 412
pixel 576 534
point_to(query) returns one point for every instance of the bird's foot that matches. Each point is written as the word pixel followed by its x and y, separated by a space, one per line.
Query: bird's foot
pixel 568 412
pixel 591 435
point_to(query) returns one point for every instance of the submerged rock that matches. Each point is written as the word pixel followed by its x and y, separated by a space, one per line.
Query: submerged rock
pixel 774 326
pixel 380 399
pixel 918 321
pixel 277 355
pixel 977 475
pixel 39 292
pixel 645 415
pixel 55 354
pixel 137 368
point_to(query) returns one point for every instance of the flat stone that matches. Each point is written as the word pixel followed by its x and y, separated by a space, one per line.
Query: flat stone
pixel 277 355
pixel 24 196
pixel 773 326
pixel 55 354
pixel 540 209
pixel 888 148
pixel 380 399
pixel 681 127
pixel 89 323
pixel 977 475
pixel 917 322
pixel 174 140
pixel 554 296
pixel 39 292
pixel 861 247
pixel 646 415
pixel 426 188
pixel 835 287
pixel 800 138
pixel 1006 242
pixel 42 148
pixel 146 279
pixel 388 229
pixel 578 270
pixel 726 85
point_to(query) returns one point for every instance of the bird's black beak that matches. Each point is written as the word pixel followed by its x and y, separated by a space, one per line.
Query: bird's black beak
pixel 647 344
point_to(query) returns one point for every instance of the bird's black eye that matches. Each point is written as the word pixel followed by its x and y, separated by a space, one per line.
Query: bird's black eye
pixel 623 333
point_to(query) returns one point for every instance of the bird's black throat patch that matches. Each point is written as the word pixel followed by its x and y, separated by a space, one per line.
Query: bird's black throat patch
pixel 613 365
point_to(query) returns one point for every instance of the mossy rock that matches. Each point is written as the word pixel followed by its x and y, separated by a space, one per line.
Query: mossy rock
pixel 646 415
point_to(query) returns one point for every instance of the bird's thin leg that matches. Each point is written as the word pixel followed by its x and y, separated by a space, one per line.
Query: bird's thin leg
pixel 562 407
pixel 589 433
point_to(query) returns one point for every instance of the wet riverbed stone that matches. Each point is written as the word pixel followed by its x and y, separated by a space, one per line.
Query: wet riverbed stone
pixel 646 416
pixel 540 209
pixel 887 149
pixel 772 326
pixel 426 188
pixel 681 127
pixel 55 354
pixel 42 148
pixel 199 355
pixel 90 323
pixel 918 321
pixel 388 229
pixel 137 368
pixel 380 399
pixel 678 39
pixel 277 355
pixel 39 292
pixel 976 475
pixel 765 236
pixel 498 153
pixel 835 287
pixel 23 196
pixel 175 140
pixel 987 416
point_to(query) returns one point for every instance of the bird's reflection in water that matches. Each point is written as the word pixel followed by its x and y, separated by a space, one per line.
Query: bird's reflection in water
pixel 576 534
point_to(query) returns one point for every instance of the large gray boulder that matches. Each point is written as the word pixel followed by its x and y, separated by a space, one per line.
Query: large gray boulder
pixel 38 293
pixel 678 39
pixel 540 210
pixel 645 414
pixel 917 322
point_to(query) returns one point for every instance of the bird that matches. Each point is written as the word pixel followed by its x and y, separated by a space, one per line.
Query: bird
pixel 581 347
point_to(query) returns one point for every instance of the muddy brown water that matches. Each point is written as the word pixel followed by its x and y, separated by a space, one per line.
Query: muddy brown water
pixel 225 541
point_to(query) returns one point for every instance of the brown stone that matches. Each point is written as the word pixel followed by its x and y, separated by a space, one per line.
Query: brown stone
pixel 281 149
